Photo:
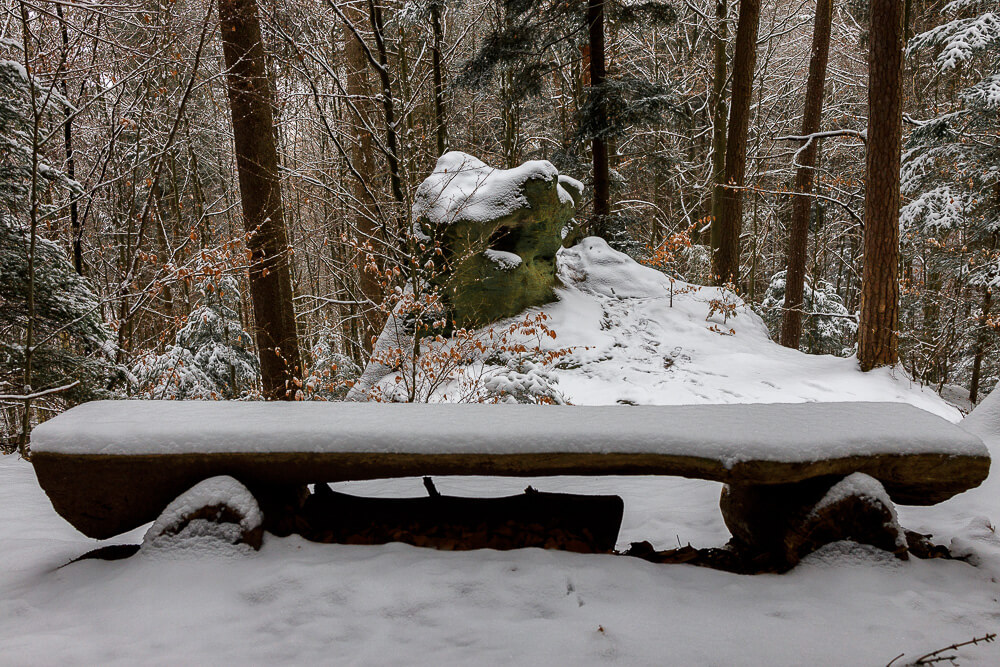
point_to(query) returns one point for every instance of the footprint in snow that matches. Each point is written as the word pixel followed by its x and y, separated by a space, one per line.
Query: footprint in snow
pixel 817 385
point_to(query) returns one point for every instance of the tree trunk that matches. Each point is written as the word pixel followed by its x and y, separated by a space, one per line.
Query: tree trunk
pixel 33 207
pixel 798 235
pixel 510 114
pixel 719 117
pixel 877 330
pixel 362 158
pixel 981 341
pixel 726 260
pixel 260 187
pixel 74 214
pixel 440 123
pixel 599 147
pixel 388 105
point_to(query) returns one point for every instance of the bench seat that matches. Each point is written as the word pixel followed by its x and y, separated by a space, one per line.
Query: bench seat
pixel 111 466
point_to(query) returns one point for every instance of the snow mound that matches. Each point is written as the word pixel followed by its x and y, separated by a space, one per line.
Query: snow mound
pixel 863 486
pixel 199 538
pixel 984 420
pixel 464 188
pixel 201 535
pixel 857 484
pixel 505 260
pixel 595 266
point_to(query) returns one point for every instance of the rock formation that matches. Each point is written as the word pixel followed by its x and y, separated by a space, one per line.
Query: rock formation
pixel 498 230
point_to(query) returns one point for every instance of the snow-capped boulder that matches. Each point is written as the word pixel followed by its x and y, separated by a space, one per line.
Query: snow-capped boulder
pixel 499 231
pixel 787 522
pixel 217 513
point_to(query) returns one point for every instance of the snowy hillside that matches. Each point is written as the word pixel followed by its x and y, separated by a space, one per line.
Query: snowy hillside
pixel 642 349
pixel 296 602
pixel 634 338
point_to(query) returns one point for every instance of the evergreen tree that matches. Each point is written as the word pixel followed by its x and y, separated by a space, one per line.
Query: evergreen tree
pixel 951 168
pixel 71 343
pixel 212 357
pixel 15 146
pixel 827 326
pixel 521 51
pixel 951 175
pixel 331 374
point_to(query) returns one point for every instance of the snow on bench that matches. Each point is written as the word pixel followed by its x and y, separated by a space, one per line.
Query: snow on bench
pixel 113 465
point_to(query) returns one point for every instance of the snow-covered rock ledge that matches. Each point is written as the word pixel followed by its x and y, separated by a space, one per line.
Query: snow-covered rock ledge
pixel 729 434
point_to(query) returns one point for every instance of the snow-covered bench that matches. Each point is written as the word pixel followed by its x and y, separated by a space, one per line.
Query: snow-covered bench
pixel 111 466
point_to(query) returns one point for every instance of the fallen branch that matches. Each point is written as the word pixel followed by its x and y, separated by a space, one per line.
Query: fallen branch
pixel 936 656
pixel 37 394
pixel 814 195
pixel 862 135
pixel 809 138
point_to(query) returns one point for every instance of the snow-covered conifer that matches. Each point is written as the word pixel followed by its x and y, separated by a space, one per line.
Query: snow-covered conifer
pixel 71 343
pixel 330 374
pixel 212 357
pixel 951 186
pixel 828 327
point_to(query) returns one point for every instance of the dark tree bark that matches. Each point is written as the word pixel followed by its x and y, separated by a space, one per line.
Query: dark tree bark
pixel 260 186
pixel 363 159
pixel 798 233
pixel 74 214
pixel 719 118
pixel 726 260
pixel 440 116
pixel 388 104
pixel 878 328
pixel 599 147
pixel 533 519
pixel 981 342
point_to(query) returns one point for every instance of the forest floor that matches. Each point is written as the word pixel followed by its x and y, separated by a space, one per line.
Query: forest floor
pixel 297 602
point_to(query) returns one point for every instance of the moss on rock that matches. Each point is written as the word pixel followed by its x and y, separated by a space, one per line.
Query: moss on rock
pixel 499 231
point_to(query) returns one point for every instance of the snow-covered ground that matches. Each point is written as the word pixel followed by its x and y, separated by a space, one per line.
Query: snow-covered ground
pixel 296 602
pixel 636 344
